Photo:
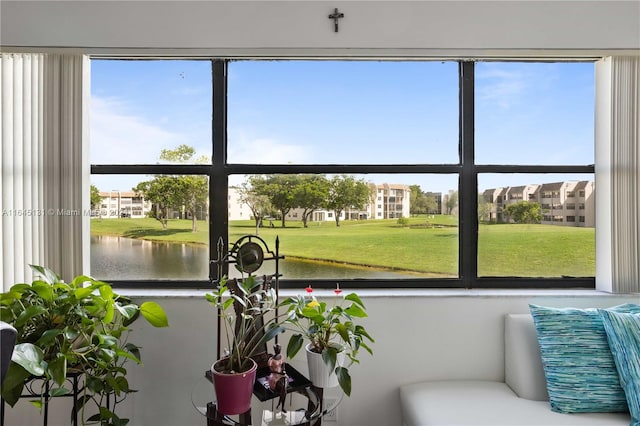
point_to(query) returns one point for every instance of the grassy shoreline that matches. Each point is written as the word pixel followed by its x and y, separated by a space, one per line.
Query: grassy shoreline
pixel 424 246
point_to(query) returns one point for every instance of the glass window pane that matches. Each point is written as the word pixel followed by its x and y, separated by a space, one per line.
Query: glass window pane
pixel 158 231
pixel 536 225
pixel 342 112
pixel 534 113
pixel 141 107
pixel 406 226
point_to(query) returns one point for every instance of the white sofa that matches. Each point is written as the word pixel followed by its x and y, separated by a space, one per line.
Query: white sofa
pixel 518 401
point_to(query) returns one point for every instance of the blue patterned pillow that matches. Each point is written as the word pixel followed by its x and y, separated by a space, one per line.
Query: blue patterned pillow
pixel 623 333
pixel 578 365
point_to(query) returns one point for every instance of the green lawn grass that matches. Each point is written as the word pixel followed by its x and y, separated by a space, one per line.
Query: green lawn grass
pixel 428 245
pixel 536 250
pixel 178 231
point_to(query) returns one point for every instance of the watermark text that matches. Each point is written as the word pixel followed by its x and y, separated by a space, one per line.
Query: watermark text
pixel 46 212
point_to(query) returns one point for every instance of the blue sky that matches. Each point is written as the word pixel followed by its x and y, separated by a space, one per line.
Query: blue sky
pixel 332 112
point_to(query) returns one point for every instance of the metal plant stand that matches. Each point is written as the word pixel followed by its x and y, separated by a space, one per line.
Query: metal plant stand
pixel 73 378
pixel 247 254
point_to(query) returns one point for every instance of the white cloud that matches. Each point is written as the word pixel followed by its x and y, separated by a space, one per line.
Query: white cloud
pixel 266 151
pixel 500 87
pixel 121 137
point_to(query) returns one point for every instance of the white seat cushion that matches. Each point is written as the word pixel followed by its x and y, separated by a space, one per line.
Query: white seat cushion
pixel 479 403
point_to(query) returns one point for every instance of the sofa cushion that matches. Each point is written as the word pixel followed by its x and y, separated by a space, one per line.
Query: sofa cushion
pixel 522 363
pixel 623 333
pixel 487 403
pixel 580 371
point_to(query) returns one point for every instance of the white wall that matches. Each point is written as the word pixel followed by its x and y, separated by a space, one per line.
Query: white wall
pixel 447 28
pixel 441 335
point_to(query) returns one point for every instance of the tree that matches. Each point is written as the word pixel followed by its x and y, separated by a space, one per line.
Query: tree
pixel 182 154
pixel 191 190
pixel 420 202
pixel 452 201
pixel 347 192
pixel 416 200
pixel 95 197
pixel 485 208
pixel 310 194
pixel 162 191
pixel 279 189
pixel 524 212
pixel 259 204
pixel 176 191
pixel 431 204
pixel 188 192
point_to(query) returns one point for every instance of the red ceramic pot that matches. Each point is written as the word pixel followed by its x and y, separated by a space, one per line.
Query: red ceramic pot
pixel 234 390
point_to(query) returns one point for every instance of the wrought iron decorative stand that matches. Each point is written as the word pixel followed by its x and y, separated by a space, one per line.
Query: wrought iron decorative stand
pixel 248 254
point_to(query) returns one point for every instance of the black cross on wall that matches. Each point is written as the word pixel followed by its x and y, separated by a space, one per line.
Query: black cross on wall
pixel 335 16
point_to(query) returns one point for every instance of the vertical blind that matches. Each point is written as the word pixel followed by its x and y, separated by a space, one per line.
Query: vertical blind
pixel 625 174
pixel 44 179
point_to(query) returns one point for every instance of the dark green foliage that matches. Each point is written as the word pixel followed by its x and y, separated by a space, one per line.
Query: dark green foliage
pixel 79 327
pixel 329 329
pixel 524 212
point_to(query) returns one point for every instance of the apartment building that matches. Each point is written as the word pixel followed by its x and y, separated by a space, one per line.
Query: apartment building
pixel 392 201
pixel 389 201
pixel 570 203
pixel 238 210
pixel 116 204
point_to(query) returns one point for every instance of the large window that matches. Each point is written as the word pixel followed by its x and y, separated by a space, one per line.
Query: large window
pixel 377 173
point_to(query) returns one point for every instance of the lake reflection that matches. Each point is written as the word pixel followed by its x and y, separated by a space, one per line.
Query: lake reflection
pixel 118 258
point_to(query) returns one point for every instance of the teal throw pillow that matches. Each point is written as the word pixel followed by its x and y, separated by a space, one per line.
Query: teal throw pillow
pixel 623 333
pixel 578 365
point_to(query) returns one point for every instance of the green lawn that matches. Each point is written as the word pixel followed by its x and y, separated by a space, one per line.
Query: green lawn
pixel 536 250
pixel 428 245
pixel 178 231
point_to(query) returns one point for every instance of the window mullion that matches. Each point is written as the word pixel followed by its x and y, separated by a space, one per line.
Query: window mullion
pixel 468 185
pixel 219 179
pixel 512 168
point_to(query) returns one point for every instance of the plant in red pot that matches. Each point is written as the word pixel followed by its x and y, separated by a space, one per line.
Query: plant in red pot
pixel 242 305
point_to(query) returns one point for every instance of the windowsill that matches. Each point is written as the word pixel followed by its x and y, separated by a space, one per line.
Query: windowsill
pixel 377 293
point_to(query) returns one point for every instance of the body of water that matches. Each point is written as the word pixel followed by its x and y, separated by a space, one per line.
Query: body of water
pixel 119 258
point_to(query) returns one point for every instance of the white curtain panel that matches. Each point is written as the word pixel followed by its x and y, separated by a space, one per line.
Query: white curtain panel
pixel 45 170
pixel 625 173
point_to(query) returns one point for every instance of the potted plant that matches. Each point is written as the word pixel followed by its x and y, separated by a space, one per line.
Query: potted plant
pixel 77 328
pixel 242 310
pixel 332 333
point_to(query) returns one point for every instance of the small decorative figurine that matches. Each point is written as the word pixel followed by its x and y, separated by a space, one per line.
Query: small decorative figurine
pixel 278 377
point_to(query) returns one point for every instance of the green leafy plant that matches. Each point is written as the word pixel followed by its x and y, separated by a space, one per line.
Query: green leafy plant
pixel 329 329
pixel 246 329
pixel 403 221
pixel 81 327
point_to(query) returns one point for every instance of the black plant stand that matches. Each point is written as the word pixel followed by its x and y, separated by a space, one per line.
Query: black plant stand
pixel 248 254
pixel 309 402
pixel 314 405
pixel 72 377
